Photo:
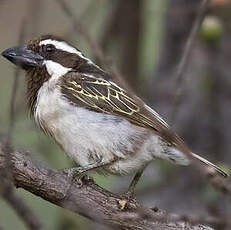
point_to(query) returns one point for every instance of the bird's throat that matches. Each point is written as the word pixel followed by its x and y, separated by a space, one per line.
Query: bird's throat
pixel 35 79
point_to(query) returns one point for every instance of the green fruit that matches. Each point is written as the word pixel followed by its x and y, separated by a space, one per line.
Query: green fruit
pixel 211 29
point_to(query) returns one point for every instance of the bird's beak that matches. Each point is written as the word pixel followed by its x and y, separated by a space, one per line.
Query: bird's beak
pixel 23 57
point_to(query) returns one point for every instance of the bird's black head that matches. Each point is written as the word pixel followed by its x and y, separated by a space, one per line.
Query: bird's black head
pixel 45 58
pixel 46 50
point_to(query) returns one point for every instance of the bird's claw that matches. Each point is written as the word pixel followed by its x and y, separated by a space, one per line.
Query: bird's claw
pixel 129 195
pixel 74 172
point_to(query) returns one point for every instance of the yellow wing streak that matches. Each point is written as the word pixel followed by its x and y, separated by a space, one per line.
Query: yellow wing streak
pixel 99 82
pixel 107 100
pixel 81 99
pixel 92 92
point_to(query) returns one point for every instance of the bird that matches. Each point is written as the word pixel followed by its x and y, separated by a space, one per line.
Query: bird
pixel 97 121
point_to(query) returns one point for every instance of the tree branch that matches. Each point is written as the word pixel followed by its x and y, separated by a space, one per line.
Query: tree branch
pixel 8 193
pixel 186 55
pixel 85 197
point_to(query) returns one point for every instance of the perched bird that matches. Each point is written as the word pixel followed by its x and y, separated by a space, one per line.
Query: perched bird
pixel 100 124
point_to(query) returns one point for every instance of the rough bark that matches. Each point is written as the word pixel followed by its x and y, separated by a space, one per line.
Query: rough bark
pixel 84 197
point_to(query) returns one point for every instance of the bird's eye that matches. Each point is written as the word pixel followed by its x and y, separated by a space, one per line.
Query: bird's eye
pixel 50 48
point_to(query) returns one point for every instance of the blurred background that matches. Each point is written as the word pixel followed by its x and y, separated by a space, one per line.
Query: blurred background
pixel 144 40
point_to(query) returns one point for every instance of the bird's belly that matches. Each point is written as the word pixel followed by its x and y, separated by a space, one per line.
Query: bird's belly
pixel 88 136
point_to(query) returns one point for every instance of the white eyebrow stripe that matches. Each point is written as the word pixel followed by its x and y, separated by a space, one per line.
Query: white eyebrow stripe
pixel 62 45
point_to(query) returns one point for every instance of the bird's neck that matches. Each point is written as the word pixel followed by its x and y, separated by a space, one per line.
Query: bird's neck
pixel 35 79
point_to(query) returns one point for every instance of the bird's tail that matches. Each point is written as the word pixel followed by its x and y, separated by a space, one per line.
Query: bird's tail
pixel 208 163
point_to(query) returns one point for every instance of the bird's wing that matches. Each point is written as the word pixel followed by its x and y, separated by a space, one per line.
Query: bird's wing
pixel 105 96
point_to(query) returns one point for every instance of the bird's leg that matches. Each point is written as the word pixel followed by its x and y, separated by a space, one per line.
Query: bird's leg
pixel 131 188
pixel 80 171
pixel 135 180
pixel 129 194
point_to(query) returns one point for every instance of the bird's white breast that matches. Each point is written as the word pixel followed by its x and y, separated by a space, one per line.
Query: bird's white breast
pixel 83 134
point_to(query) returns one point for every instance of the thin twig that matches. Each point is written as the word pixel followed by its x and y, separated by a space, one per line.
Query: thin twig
pixel 185 58
pixel 221 184
pixel 15 88
pixel 82 31
pixel 98 52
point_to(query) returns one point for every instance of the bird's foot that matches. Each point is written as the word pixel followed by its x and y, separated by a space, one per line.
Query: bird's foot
pixel 129 194
pixel 77 174
pixel 74 172
pixel 128 199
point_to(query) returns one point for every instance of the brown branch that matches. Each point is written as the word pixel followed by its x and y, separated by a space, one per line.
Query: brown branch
pixel 23 211
pixel 7 192
pixel 209 220
pixel 194 220
pixel 84 197
pixel 185 58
